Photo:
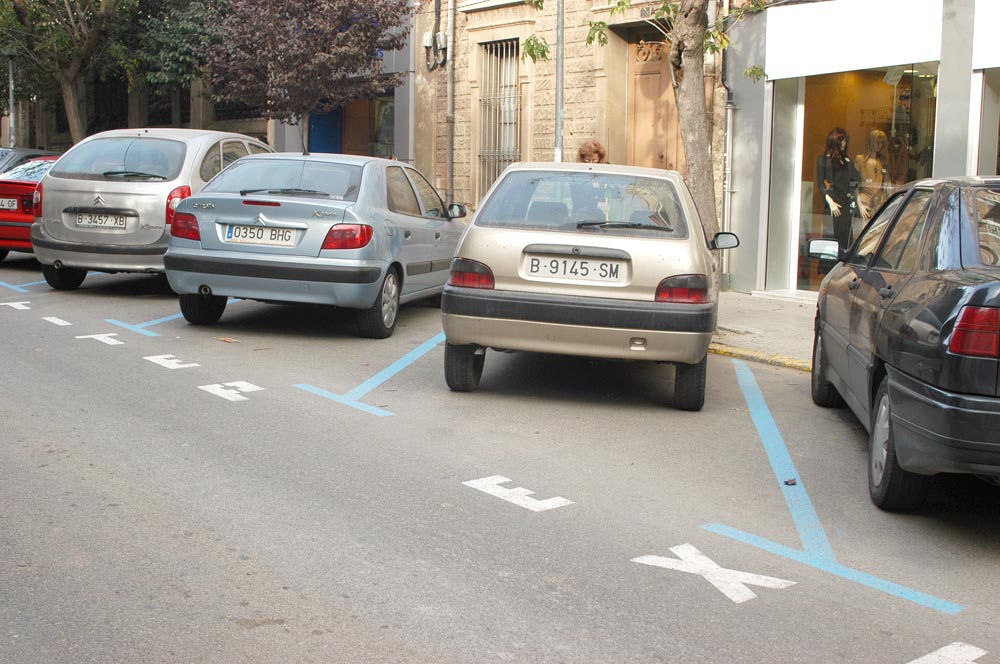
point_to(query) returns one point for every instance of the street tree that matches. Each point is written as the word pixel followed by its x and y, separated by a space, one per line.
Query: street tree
pixel 686 32
pixel 297 57
pixel 61 39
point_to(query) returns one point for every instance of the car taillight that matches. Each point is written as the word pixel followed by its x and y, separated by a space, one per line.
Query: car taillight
pixel 27 204
pixel 684 289
pixel 348 236
pixel 470 274
pixel 36 200
pixel 977 332
pixel 185 226
pixel 174 199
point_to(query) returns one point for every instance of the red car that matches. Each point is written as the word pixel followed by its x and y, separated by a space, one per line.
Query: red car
pixel 17 187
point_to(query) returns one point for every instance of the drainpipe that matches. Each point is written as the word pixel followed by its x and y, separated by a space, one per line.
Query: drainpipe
pixel 727 164
pixel 450 117
pixel 560 39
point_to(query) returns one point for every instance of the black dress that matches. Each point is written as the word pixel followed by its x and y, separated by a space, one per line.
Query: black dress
pixel 838 178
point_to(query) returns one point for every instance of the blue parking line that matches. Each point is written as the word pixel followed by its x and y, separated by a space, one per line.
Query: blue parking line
pixel 141 327
pixel 20 288
pixel 353 397
pixel 817 552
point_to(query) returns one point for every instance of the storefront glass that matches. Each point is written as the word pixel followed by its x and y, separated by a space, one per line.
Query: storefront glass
pixel 864 134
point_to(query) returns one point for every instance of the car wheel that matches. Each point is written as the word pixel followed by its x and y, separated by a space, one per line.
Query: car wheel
pixel 689 385
pixel 463 367
pixel 891 488
pixel 379 320
pixel 66 278
pixel 202 309
pixel 823 392
pixel 3 253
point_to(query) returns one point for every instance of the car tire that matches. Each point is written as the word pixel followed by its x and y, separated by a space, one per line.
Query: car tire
pixel 823 392
pixel 689 385
pixel 379 320
pixel 891 488
pixel 202 309
pixel 66 278
pixel 463 367
pixel 3 253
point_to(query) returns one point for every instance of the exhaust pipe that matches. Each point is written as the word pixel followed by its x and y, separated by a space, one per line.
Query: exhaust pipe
pixel 204 290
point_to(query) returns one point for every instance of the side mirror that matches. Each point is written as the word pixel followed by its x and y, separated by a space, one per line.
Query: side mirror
pixel 456 211
pixel 824 250
pixel 725 240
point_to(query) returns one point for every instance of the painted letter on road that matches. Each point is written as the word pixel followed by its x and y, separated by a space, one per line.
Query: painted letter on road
pixel 517 495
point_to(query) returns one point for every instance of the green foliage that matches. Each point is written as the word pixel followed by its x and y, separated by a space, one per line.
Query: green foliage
pixel 535 48
pixel 598 32
pixel 755 73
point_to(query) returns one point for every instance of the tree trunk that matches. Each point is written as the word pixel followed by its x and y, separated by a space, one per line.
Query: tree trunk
pixel 77 130
pixel 687 59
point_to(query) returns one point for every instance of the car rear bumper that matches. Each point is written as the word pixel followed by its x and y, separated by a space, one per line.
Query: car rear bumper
pixel 353 284
pixel 101 257
pixel 15 235
pixel 591 327
pixel 943 432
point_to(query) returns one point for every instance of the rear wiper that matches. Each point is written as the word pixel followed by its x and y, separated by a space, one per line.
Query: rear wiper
pixel 622 224
pixel 133 174
pixel 303 192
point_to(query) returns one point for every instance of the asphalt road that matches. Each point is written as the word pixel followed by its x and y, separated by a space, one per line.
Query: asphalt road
pixel 274 489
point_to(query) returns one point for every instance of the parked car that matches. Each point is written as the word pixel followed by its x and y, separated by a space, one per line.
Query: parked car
pixel 11 157
pixel 108 203
pixel 584 259
pixel 908 335
pixel 17 190
pixel 356 232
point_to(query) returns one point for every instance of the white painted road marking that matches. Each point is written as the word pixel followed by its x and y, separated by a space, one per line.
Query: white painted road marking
pixel 233 393
pixel 729 581
pixel 57 321
pixel 953 653
pixel 104 338
pixel 169 361
pixel 517 495
pixel 22 306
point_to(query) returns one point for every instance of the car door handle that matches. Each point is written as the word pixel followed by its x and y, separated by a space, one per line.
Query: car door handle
pixel 853 286
pixel 407 233
pixel 885 292
pixel 437 236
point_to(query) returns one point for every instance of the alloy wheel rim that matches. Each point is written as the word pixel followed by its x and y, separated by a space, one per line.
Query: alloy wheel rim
pixel 389 300
pixel 880 441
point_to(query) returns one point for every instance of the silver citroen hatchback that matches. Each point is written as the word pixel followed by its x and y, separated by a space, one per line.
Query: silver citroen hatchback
pixel 584 259
pixel 107 205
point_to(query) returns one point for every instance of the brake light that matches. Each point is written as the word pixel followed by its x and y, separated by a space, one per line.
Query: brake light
pixel 684 289
pixel 977 332
pixel 348 236
pixel 470 274
pixel 185 226
pixel 27 206
pixel 36 200
pixel 174 199
pixel 263 203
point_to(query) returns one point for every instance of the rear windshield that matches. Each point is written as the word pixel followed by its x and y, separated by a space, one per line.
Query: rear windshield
pixel 289 177
pixel 31 171
pixel 586 201
pixel 124 157
pixel 987 220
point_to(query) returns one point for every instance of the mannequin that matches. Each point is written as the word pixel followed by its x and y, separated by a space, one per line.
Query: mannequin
pixel 836 180
pixel 873 166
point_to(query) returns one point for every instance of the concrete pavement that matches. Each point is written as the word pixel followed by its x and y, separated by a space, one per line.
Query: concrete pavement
pixel 772 327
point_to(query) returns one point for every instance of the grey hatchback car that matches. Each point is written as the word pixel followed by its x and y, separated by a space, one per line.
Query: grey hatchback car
pixel 108 203
pixel 355 232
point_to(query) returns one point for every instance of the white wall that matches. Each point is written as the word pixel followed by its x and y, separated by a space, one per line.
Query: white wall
pixel 817 38
pixel 985 45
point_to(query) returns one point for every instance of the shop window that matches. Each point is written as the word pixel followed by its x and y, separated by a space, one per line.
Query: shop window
pixel 865 133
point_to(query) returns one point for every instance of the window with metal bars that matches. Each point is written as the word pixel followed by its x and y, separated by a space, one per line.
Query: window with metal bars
pixel 499 111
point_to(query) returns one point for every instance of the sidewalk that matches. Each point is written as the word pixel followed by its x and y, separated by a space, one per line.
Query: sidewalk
pixel 772 327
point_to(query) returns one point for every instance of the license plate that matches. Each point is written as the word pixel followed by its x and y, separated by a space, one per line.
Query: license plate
pixel 8 203
pixel 93 220
pixel 576 269
pixel 261 235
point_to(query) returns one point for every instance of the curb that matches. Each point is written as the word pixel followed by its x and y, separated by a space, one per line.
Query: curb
pixel 757 356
